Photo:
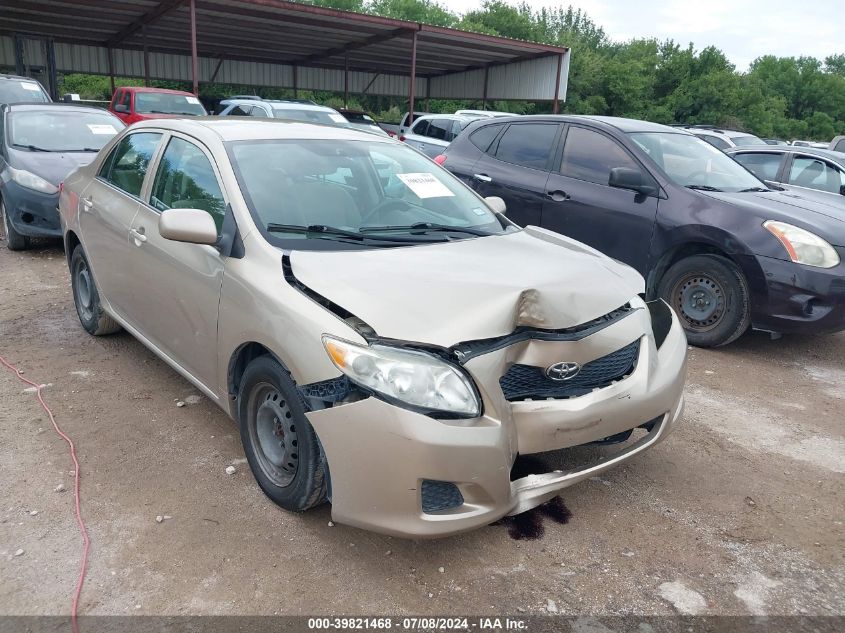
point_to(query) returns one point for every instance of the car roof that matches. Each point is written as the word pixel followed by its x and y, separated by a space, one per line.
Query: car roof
pixel 621 124
pixel 278 104
pixel 451 117
pixel 52 105
pixel 838 157
pixel 248 128
pixel 17 77
pixel 151 89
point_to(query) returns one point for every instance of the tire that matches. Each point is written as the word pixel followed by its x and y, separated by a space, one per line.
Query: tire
pixel 14 240
pixel 280 445
pixel 86 297
pixel 710 296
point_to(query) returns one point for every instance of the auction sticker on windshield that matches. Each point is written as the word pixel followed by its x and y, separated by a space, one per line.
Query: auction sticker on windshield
pixel 192 100
pixel 425 185
pixel 338 118
pixel 27 85
pixel 101 128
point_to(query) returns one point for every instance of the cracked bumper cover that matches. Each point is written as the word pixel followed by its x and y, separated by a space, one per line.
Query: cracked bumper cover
pixel 380 454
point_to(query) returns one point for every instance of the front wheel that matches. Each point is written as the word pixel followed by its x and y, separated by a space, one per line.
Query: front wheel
pixel 710 296
pixel 14 240
pixel 281 447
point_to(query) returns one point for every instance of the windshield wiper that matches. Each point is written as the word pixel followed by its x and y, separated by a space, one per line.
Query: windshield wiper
pixel 703 188
pixel 426 226
pixel 331 231
pixel 753 189
pixel 32 148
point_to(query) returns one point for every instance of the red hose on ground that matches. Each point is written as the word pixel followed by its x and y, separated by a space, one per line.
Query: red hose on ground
pixel 83 530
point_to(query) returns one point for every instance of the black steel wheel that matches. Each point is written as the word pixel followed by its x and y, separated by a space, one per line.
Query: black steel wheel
pixel 280 445
pixel 710 296
pixel 86 297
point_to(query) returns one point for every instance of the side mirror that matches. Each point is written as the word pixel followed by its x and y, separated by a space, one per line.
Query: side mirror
pixel 842 190
pixel 496 204
pixel 626 178
pixel 193 226
pixel 119 107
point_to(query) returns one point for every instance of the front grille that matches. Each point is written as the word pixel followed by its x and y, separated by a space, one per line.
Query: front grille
pixel 526 382
pixel 440 495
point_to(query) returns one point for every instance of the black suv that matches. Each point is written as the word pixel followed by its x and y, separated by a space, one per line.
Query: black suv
pixel 709 237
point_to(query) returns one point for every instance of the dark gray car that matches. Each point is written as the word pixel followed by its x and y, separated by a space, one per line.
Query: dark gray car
pixel 40 144
pixel 709 237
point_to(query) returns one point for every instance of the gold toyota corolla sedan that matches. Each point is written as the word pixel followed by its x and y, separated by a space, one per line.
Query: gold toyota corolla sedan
pixel 387 340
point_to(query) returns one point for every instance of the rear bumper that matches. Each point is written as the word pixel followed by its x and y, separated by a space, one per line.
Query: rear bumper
pixel 30 212
pixel 379 455
pixel 800 299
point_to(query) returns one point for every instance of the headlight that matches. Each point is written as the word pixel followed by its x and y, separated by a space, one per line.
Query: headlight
pixel 411 377
pixel 31 181
pixel 802 246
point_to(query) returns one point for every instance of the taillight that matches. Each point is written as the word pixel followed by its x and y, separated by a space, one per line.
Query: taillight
pixel 61 187
pixel 440 159
pixel 402 138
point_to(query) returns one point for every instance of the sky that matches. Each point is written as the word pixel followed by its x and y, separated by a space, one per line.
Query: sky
pixel 743 29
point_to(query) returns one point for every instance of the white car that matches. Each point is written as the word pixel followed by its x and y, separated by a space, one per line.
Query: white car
pixel 432 133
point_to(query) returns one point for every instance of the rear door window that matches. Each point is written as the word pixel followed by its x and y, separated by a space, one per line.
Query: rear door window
pixel 840 146
pixel 441 129
pixel 715 141
pixel 528 144
pixel 815 173
pixel 186 180
pixel 127 164
pixel 483 137
pixel 240 110
pixel 764 165
pixel 420 128
pixel 590 156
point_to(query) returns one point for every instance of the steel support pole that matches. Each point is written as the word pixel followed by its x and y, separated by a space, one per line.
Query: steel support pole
pixel 146 56
pixel 555 103
pixel 484 95
pixel 194 60
pixel 50 50
pixel 412 85
pixel 296 82
pixel 20 66
pixel 111 68
pixel 346 82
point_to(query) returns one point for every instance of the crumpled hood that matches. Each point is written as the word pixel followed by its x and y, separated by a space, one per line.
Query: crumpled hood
pixel 53 167
pixel 443 294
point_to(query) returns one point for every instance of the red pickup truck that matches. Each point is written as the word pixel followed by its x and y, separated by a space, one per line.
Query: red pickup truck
pixel 136 103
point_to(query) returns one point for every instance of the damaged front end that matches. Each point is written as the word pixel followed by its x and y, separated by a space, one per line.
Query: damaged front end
pixel 410 470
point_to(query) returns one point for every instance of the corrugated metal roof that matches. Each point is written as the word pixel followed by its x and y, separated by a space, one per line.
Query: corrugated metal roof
pixel 262 40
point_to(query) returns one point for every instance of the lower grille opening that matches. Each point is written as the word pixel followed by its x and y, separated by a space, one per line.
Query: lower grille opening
pixel 527 382
pixel 440 495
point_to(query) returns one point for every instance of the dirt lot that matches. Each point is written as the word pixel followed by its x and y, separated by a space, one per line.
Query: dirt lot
pixel 739 512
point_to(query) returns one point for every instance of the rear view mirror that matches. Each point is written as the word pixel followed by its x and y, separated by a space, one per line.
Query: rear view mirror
pixel 119 107
pixel 496 204
pixel 626 178
pixel 193 226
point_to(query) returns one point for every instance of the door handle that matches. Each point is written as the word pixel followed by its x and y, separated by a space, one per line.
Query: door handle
pixel 482 177
pixel 87 203
pixel 138 235
pixel 558 195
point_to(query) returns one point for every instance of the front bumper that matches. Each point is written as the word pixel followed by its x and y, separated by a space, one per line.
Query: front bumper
pixel 379 455
pixel 800 299
pixel 31 212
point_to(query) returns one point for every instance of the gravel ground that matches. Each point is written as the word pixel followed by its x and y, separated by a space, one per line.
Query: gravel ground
pixel 739 512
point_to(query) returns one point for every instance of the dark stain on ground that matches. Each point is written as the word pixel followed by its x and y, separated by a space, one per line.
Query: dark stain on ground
pixel 530 524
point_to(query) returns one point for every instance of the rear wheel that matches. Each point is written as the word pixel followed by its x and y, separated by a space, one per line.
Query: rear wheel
pixel 710 296
pixel 86 297
pixel 280 445
pixel 14 240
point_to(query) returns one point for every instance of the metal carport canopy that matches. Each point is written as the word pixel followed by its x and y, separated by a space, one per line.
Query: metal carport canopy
pixel 278 43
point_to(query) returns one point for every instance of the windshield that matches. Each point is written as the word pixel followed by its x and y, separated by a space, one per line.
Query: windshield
pixel 365 193
pixel 326 117
pixel 17 91
pixel 167 103
pixel 691 162
pixel 58 130
pixel 741 141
